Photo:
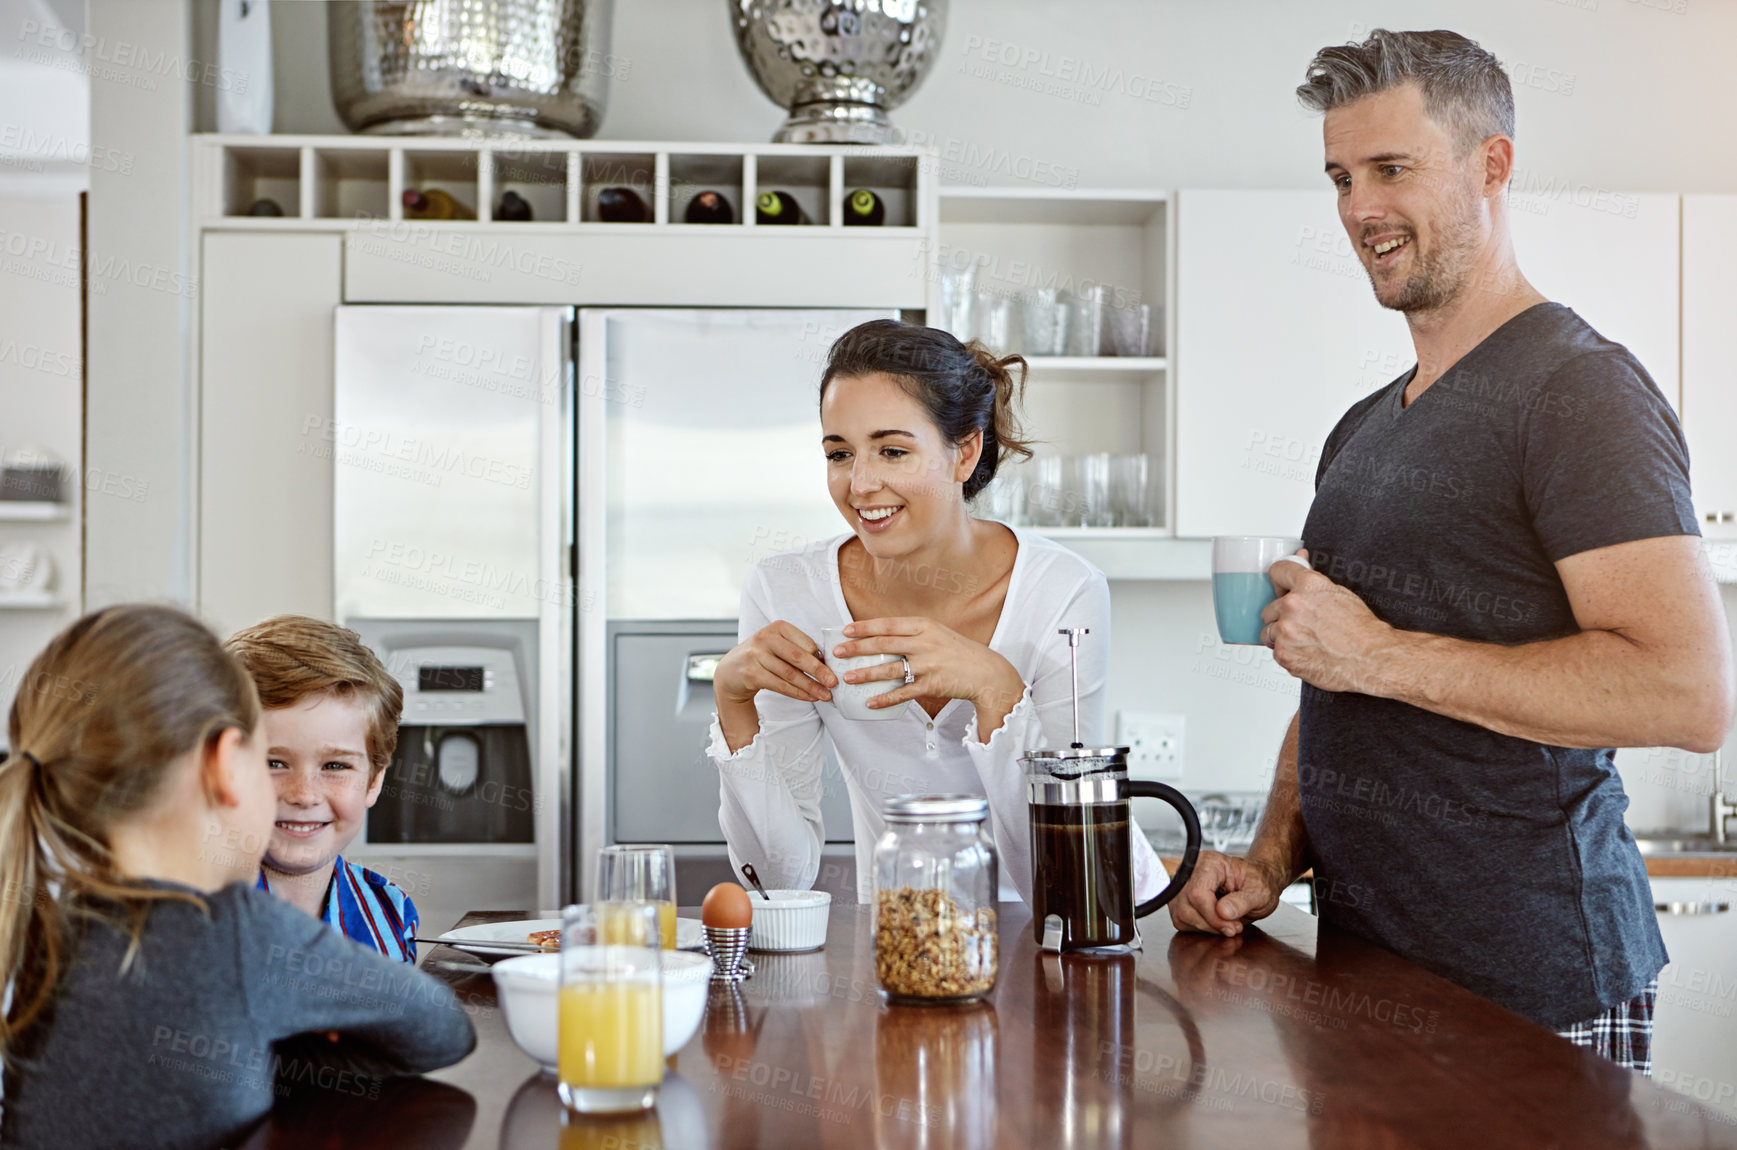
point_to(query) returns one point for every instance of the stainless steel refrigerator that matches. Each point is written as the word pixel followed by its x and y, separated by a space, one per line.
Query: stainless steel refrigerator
pixel 567 501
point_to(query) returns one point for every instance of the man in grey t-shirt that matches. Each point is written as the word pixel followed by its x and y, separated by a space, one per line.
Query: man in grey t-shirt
pixel 1507 583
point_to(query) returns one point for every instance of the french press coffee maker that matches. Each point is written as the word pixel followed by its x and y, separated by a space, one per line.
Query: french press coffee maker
pixel 1081 839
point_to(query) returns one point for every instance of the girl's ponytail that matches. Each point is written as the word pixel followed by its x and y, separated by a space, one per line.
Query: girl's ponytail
pixel 99 717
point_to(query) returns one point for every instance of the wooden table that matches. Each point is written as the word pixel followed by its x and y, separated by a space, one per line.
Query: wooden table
pixel 1280 1039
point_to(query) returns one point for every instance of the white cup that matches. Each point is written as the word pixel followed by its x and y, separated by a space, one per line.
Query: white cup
pixel 1241 588
pixel 852 698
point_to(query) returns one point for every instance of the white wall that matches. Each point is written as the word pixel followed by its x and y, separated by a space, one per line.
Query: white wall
pixel 41 373
pixel 1639 86
pixel 139 398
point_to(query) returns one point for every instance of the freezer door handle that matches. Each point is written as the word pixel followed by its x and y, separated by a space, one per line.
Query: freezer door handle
pixel 703 666
pixel 1692 907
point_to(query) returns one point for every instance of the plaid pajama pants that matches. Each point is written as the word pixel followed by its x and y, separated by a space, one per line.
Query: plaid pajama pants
pixel 1623 1034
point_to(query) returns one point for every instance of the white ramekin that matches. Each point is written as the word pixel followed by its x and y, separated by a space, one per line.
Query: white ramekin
pixel 792 920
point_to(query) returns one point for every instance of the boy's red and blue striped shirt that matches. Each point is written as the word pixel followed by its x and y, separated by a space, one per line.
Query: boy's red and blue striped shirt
pixel 368 907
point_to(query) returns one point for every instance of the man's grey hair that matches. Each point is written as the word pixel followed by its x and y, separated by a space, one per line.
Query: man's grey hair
pixel 1464 87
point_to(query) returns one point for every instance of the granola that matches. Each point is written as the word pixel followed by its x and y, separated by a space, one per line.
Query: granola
pixel 927 946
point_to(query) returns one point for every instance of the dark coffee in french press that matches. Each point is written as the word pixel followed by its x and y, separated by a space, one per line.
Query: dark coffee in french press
pixel 1082 841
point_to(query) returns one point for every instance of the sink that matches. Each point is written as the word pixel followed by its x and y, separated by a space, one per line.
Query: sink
pixel 1681 843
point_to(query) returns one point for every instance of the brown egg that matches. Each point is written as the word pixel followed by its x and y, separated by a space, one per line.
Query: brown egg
pixel 727 905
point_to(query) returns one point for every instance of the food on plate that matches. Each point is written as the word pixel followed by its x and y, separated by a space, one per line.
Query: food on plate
pixel 547 939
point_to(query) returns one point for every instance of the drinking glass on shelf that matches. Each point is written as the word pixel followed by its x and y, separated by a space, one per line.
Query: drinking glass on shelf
pixel 1133 495
pixel 641 873
pixel 995 321
pixel 610 1017
pixel 1003 500
pixel 1093 472
pixel 1085 320
pixel 1130 329
pixel 1045 493
pixel 958 301
pixel 1044 322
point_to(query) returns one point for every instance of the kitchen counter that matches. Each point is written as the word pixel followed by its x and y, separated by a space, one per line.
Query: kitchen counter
pixel 1283 1038
pixel 1693 865
pixel 1679 864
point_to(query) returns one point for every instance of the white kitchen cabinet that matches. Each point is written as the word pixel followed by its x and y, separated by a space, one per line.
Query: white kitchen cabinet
pixel 1710 358
pixel 42 407
pixel 1695 1020
pixel 1613 258
pixel 265 437
pixel 1277 333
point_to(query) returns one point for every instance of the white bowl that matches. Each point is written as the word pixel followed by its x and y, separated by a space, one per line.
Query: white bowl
pixel 792 920
pixel 527 987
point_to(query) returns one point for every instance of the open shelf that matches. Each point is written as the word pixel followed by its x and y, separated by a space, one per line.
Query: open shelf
pixel 32 511
pixel 1048 365
pixel 30 600
pixel 321 181
pixel 633 171
pixel 690 175
pixel 892 178
pixel 453 172
pixel 1090 207
pixel 537 176
pixel 806 179
pixel 351 184
pixel 254 175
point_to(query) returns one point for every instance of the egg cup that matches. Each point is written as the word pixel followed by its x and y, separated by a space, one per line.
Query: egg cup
pixel 728 946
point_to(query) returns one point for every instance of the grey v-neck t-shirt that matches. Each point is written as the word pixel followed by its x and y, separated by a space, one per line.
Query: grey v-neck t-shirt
pixel 1497 862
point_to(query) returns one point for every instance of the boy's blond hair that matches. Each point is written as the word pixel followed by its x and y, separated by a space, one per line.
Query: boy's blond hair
pixel 292 656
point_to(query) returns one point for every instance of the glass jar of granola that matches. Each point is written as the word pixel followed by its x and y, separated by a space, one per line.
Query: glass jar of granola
pixel 935 884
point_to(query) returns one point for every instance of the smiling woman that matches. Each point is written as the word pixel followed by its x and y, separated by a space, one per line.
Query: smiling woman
pixel 963 612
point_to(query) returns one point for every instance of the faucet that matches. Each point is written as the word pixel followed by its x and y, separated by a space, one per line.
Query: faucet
pixel 1720 807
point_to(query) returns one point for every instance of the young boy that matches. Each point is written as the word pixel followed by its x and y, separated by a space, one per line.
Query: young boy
pixel 330 725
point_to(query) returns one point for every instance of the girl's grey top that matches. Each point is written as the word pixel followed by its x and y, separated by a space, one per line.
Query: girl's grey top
pixel 219 1012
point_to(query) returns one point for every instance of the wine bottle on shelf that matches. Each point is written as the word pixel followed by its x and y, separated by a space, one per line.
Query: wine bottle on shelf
pixel 864 209
pixel 513 208
pixel 709 207
pixel 778 208
pixel 621 206
pixel 434 204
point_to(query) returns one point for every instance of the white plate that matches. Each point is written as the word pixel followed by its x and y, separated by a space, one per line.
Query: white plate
pixel 690 935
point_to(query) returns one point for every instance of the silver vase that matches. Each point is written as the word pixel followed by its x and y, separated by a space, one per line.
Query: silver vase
pixel 838 65
pixel 513 68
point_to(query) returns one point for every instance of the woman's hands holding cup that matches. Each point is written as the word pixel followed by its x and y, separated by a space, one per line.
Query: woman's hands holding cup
pixel 778 657
pixel 943 664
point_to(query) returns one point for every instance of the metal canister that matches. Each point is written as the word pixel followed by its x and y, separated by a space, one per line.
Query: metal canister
pixel 511 68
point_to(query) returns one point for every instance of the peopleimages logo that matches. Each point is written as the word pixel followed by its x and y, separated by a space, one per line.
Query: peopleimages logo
pixel 121 61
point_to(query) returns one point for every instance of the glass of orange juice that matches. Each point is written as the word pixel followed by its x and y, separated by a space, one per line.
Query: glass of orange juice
pixel 610 1046
pixel 641 872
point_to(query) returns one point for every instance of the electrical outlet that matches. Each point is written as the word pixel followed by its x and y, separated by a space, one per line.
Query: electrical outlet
pixel 1154 743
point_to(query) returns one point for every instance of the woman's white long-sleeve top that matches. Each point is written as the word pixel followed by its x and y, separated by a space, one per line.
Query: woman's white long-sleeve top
pixel 770 789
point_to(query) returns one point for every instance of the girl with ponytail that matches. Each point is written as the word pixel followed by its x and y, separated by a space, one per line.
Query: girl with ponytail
pixel 154 995
pixel 913 425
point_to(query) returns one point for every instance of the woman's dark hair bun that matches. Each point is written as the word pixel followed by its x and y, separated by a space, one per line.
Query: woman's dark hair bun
pixel 965 387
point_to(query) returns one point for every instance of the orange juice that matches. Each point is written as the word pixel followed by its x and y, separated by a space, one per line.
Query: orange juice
pixel 666 920
pixel 625 930
pixel 611 1034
